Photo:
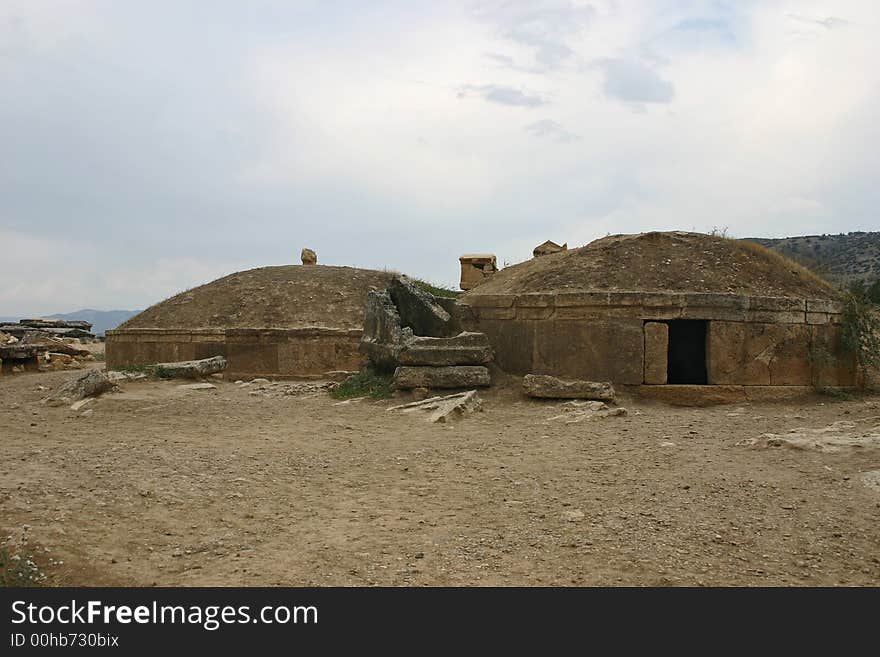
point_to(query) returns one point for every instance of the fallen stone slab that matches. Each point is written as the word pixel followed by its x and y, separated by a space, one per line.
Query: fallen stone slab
pixel 462 349
pixel 88 384
pixel 418 310
pixel 197 386
pixel 75 406
pixel 40 322
pixel 117 376
pixel 54 345
pixel 19 351
pixel 549 387
pixel 20 330
pixel 16 358
pixel 461 376
pixel 444 409
pixel 577 411
pixel 189 369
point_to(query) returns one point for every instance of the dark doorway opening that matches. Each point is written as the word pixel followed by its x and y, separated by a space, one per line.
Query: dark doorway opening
pixel 686 358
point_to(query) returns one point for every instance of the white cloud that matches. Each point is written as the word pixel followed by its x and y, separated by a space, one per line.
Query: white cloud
pixel 236 141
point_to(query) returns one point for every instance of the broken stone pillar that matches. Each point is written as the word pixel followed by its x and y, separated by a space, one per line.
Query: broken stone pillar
pixel 656 352
pixel 309 257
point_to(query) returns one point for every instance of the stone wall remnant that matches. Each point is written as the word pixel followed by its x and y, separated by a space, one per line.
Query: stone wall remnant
pixel 476 268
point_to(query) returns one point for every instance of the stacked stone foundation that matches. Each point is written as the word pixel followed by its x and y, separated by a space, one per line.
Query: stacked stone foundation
pixel 250 352
pixel 622 337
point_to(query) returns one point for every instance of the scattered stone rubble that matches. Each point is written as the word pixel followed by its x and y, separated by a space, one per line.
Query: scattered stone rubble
pixel 574 412
pixel 57 328
pixel 40 344
pixel 444 409
pixel 16 357
pixel 838 436
pixel 265 388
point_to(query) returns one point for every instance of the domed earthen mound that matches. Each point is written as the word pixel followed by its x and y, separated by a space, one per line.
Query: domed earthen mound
pixel 662 262
pixel 290 296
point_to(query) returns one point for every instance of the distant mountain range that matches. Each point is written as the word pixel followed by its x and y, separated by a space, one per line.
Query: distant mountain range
pixel 841 259
pixel 101 320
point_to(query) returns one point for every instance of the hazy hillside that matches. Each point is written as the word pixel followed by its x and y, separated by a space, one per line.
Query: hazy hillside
pixel 841 259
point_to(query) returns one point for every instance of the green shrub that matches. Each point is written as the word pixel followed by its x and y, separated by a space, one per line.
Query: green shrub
pixel 436 290
pixel 366 383
pixel 860 331
pixel 842 395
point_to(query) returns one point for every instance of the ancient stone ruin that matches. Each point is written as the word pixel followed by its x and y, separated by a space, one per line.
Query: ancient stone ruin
pixel 476 268
pixel 418 337
pixel 55 328
pixel 289 321
pixel 38 344
pixel 548 247
pixel 675 315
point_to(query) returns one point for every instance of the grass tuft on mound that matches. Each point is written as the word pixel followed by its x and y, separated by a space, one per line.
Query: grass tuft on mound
pixel 366 383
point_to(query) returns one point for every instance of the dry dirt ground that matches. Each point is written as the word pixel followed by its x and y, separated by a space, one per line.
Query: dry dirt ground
pixel 163 486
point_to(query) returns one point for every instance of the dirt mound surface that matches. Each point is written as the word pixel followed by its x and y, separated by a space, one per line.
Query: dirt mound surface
pixel 270 297
pixel 662 262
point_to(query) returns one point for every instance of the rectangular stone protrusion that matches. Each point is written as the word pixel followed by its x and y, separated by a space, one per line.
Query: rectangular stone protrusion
pixel 461 376
pixel 582 299
pixel 489 312
pixel 491 300
pixel 656 352
pixel 535 300
pixel 534 313
pixel 778 304
pixel 824 306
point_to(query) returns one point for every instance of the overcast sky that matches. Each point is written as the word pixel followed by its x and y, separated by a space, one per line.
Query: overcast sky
pixel 149 146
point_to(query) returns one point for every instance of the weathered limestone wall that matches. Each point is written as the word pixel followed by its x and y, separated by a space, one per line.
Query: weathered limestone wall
pixel 760 341
pixel 307 351
pixel 656 352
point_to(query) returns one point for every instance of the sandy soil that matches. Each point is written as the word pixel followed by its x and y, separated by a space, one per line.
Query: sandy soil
pixel 161 486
